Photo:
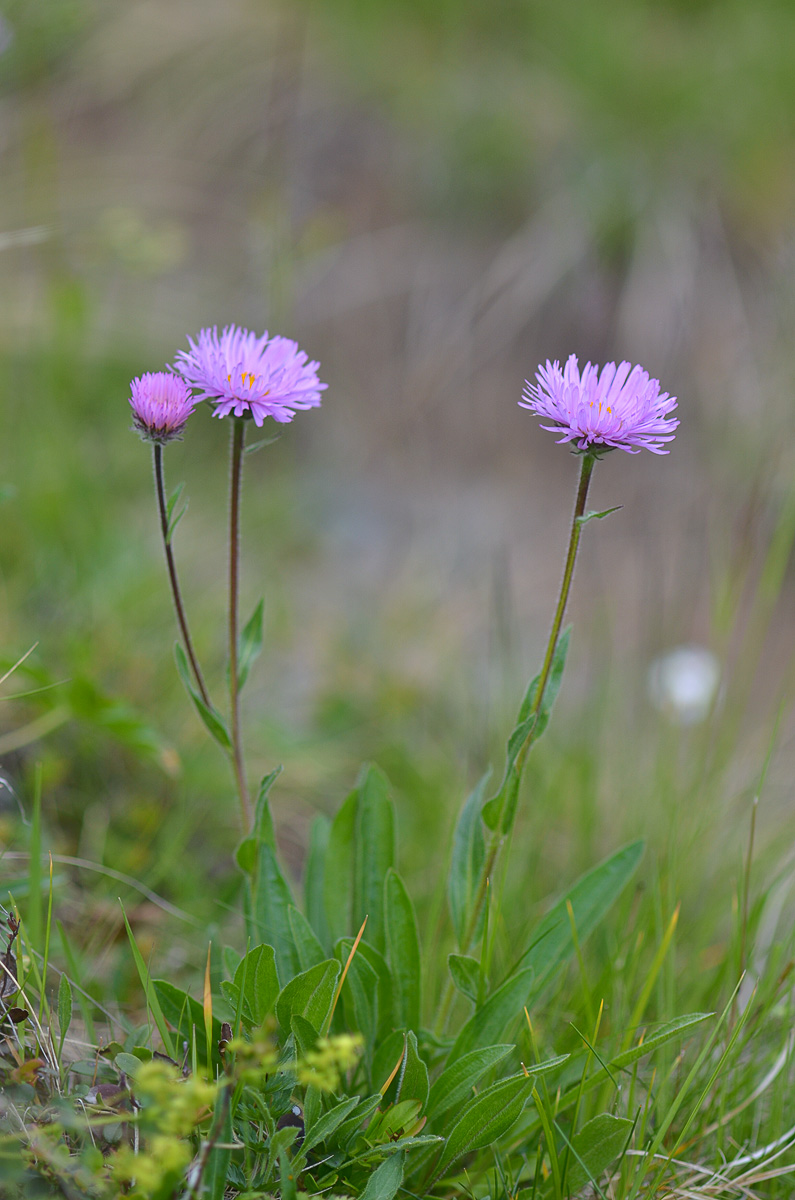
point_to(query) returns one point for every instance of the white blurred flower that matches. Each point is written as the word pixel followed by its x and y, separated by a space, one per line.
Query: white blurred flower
pixel 683 683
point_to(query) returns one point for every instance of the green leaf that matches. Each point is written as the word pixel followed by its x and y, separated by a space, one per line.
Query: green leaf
pixel 350 1129
pixel 597 516
pixel 591 897
pixel 360 994
pixel 128 1063
pixel 271 903
pixel 486 1119
pixel 404 951
pixel 385 1180
pixel 466 864
pixel 386 1018
pixel 501 809
pixel 457 1081
pixel 308 948
pixel 412 1081
pixel 374 852
pixel 258 980
pixel 173 517
pixel 187 1015
pixel 327 1125
pixel 488 1024
pixel 314 876
pixel 594 1148
pixel 305 1034
pixel 664 1033
pixel 211 718
pixel 64 1007
pixel 220 1137
pixel 149 989
pixel 309 994
pixel 465 974
pixel 249 645
pixel 338 881
pixel 262 830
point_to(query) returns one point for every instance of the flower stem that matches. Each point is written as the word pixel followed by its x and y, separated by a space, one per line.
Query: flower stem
pixel 500 836
pixel 238 440
pixel 586 470
pixel 172 575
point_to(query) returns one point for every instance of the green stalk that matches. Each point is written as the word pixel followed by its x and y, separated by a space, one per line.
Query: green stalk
pixel 238 442
pixel 172 575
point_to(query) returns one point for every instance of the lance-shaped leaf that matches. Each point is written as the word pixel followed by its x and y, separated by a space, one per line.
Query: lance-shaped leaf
pixel 530 724
pixel 486 1119
pixel 591 897
pixel 249 645
pixel 469 851
pixel 210 716
pixel 404 951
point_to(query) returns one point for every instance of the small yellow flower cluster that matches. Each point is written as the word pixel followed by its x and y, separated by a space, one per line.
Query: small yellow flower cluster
pixel 170 1107
pixel 258 1057
pixel 330 1058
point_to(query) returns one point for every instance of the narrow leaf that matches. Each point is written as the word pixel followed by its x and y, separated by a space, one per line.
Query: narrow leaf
pixel 467 861
pixel 64 1007
pixel 309 994
pixel 489 1023
pixel 594 1148
pixel 591 897
pixel 212 720
pixel 465 974
pixel 404 951
pixel 249 645
pixel 314 876
pixel 308 948
pixel 374 852
pixel 486 1119
pixel 385 1180
pixel 457 1081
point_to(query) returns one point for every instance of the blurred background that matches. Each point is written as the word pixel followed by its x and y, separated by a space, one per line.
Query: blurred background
pixel 431 196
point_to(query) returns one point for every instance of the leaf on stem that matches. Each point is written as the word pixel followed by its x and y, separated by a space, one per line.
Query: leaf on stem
pixel 173 517
pixel 597 516
pixel 249 645
pixel 530 724
pixel 212 719
pixel 469 851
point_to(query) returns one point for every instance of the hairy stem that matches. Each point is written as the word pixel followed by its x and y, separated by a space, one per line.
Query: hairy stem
pixel 238 440
pixel 172 575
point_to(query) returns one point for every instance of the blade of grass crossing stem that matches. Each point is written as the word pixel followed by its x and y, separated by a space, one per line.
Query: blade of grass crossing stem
pixel 338 990
pixel 146 983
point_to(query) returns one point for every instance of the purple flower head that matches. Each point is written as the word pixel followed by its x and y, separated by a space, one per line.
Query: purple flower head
pixel 161 405
pixel 249 375
pixel 621 408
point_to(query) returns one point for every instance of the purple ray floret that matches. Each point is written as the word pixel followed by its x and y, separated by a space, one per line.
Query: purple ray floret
pixel 248 375
pixel 621 408
pixel 161 404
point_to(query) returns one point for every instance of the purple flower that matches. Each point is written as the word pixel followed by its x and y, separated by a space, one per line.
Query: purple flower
pixel 161 405
pixel 621 408
pixel 249 375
